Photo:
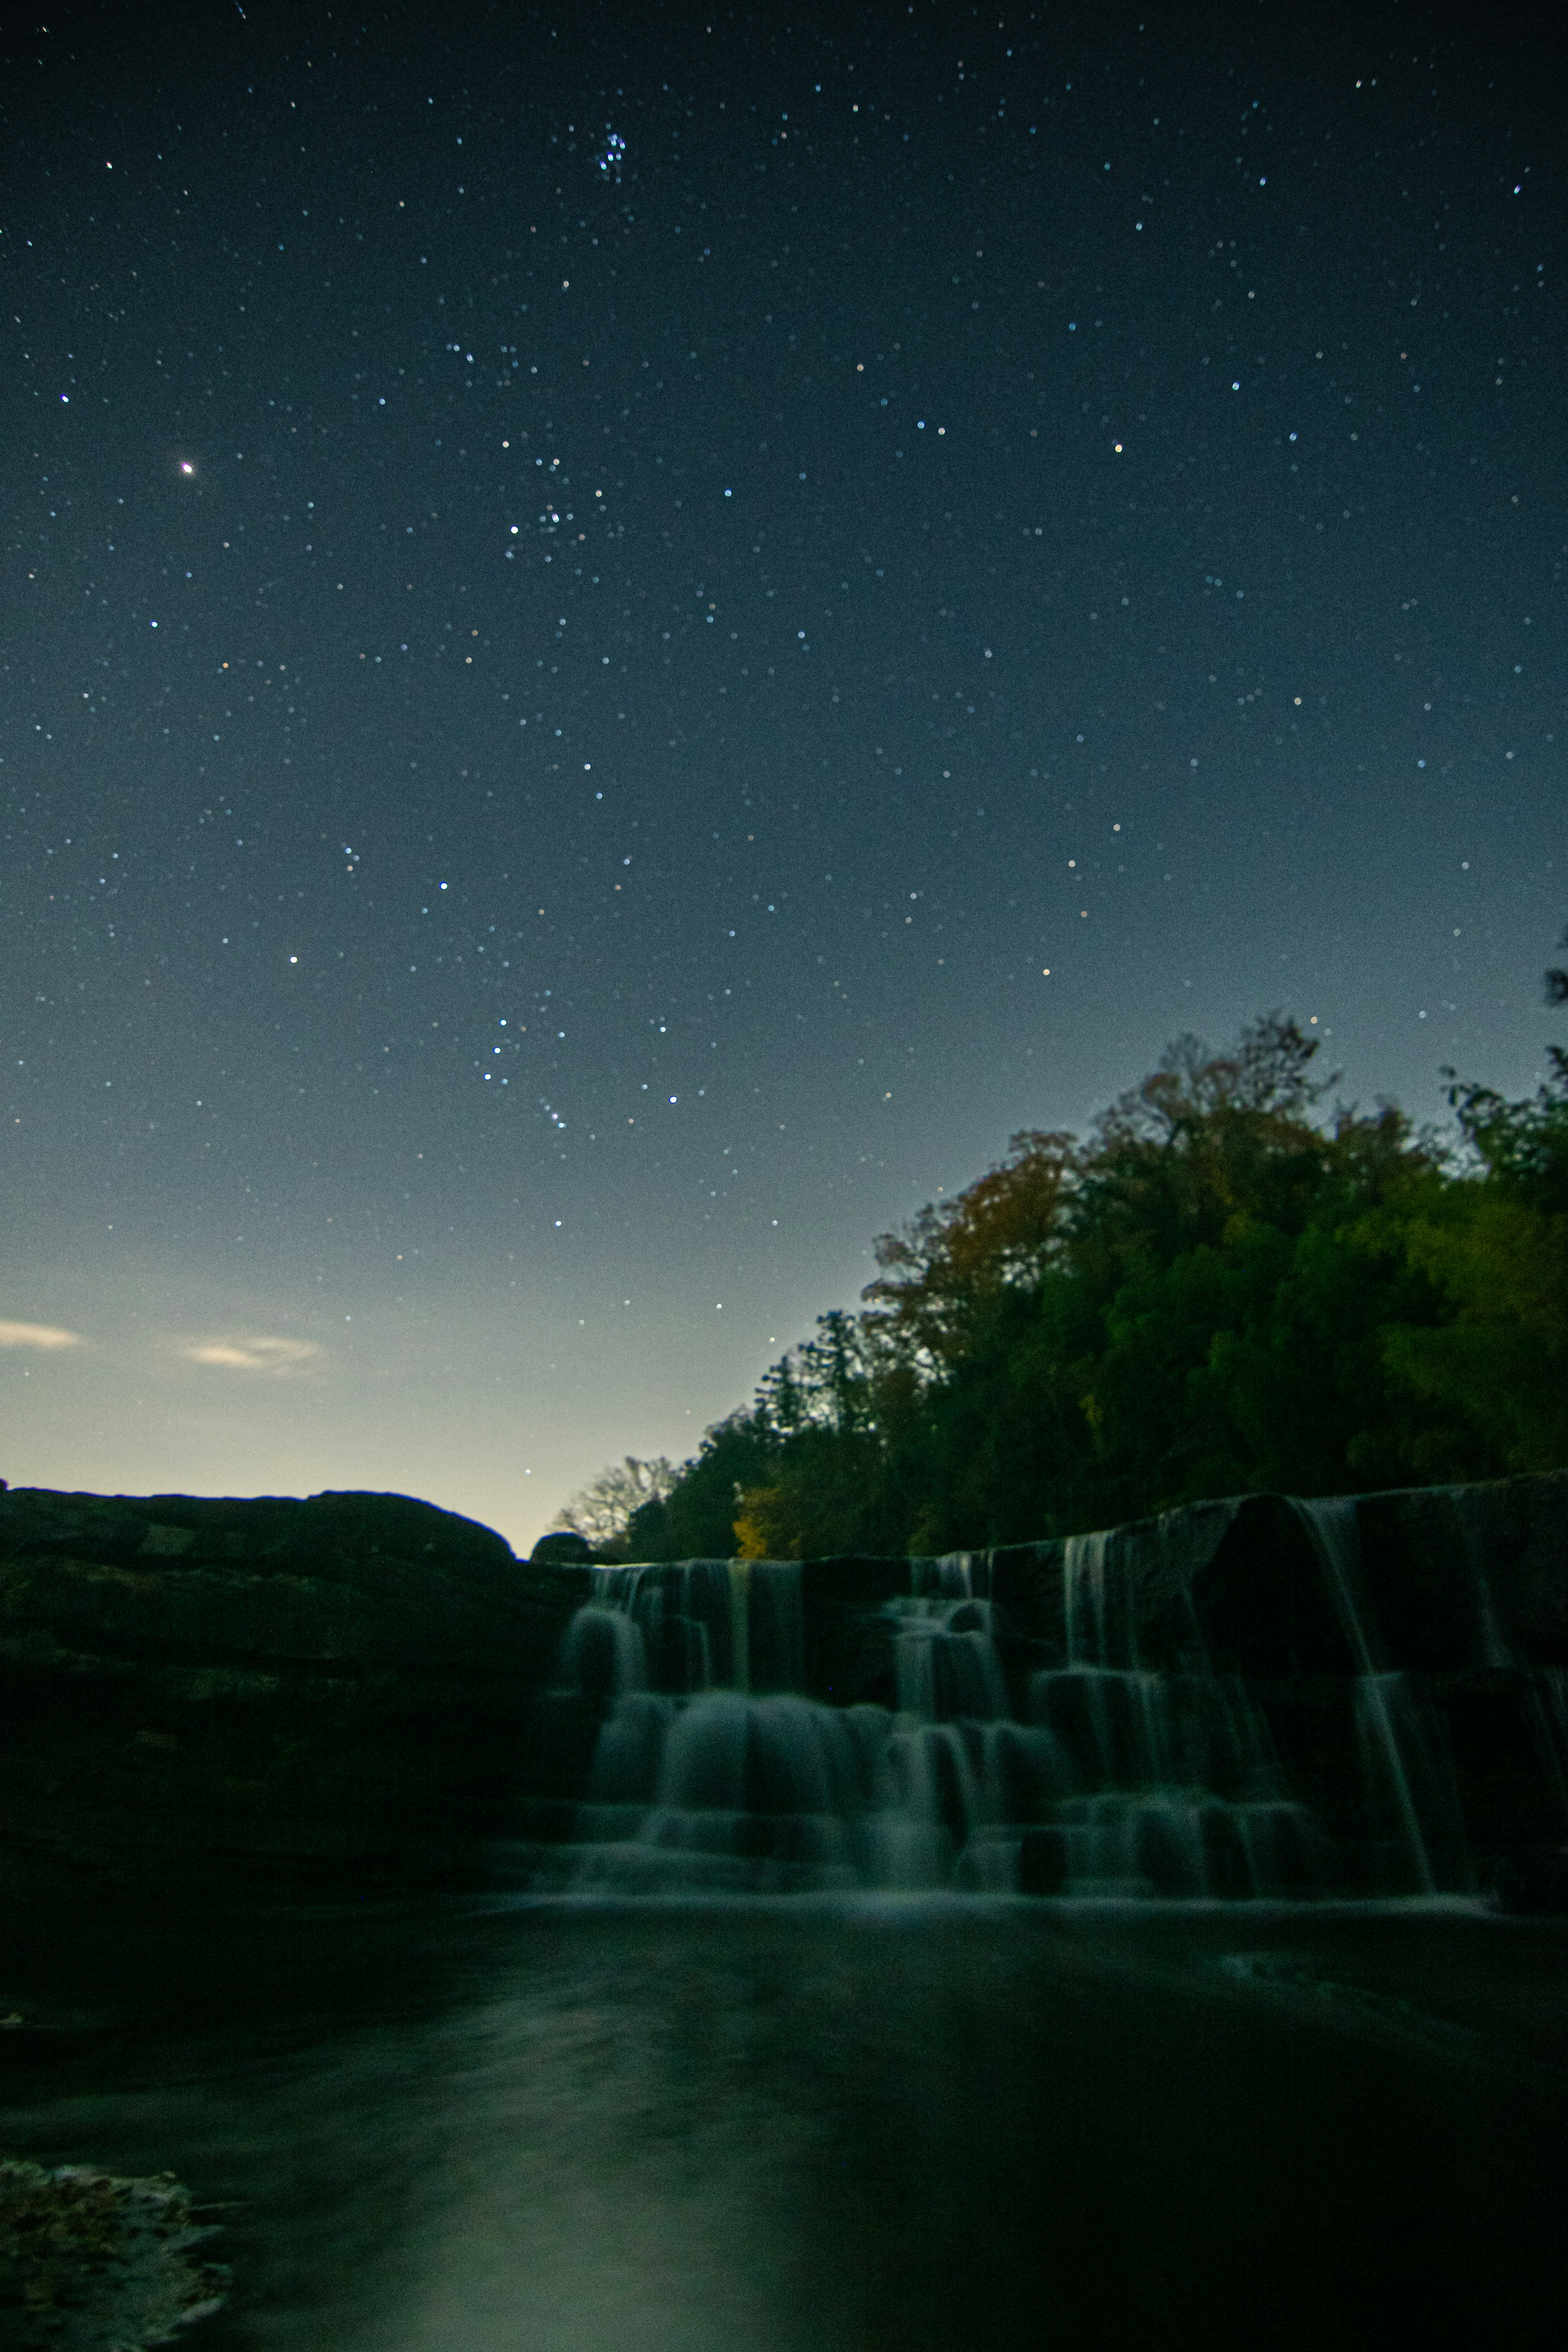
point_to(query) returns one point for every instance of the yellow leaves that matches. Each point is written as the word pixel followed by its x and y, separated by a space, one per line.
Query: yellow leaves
pixel 757 1533
pixel 1001 1229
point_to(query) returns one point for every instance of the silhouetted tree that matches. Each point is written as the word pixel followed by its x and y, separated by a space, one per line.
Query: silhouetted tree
pixel 602 1510
pixel 1557 980
pixel 1223 1288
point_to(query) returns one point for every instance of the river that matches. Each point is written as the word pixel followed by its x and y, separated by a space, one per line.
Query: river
pixel 856 2124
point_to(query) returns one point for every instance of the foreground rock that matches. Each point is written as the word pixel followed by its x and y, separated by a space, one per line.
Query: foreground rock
pixel 322 1690
pixel 88 2260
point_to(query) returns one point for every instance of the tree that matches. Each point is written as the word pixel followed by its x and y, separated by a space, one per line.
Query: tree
pixel 1223 1289
pixel 602 1510
pixel 1557 980
pixel 1001 1233
pixel 1495 1245
pixel 696 1520
pixel 1496 1367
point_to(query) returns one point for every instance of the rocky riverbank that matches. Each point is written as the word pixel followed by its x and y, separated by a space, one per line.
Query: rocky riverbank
pixel 356 1690
pixel 320 1692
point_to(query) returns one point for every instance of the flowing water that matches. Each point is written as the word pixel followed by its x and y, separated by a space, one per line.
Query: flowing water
pixel 1412 1804
pixel 851 2124
pixel 1104 1774
pixel 763 2045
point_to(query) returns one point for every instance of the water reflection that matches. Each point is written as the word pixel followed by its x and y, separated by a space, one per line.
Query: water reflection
pixel 916 2124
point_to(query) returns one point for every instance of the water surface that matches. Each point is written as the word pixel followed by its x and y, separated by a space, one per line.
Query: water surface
pixel 917 2124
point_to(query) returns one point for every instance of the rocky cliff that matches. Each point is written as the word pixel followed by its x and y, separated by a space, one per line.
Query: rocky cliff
pixel 334 1687
pixel 359 1688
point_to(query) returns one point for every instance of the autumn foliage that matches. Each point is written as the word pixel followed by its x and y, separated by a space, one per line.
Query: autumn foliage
pixel 1223 1288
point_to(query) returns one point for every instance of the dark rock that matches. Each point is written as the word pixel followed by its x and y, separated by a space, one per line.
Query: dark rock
pixel 90 2260
pixel 1451 1579
pixel 203 1685
pixel 1534 1883
pixel 848 1639
pixel 1471 1576
pixel 1043 1862
pixel 1258 1604
pixel 564 1544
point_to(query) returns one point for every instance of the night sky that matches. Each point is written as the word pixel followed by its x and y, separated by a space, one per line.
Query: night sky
pixel 631 634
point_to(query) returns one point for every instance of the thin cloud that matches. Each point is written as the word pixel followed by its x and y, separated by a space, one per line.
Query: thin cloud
pixel 256 1355
pixel 37 1335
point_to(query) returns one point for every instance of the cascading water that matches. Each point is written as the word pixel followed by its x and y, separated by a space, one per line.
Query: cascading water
pixel 711 1772
pixel 1410 1804
pixel 1495 1651
pixel 1174 1788
pixel 1100 1776
pixel 1546 1689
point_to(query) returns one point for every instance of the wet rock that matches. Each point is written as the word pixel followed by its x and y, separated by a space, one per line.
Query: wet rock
pixel 1534 1883
pixel 1043 1862
pixel 849 1637
pixel 92 2262
pixel 362 1684
pixel 1469 1577
pixel 199 1685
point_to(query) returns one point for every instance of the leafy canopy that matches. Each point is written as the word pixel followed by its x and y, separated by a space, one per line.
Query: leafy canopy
pixel 1223 1288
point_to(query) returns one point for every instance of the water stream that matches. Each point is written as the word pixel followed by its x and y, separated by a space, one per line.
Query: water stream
pixel 863 2124
pixel 632 2099
pixel 1101 1775
pixel 1411 1802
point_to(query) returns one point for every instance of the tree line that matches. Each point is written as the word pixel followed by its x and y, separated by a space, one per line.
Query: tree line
pixel 1223 1288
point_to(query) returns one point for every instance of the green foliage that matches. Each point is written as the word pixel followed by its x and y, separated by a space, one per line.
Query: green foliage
pixel 1221 1290
pixel 696 1520
pixel 1523 1146
pixel 1495 1247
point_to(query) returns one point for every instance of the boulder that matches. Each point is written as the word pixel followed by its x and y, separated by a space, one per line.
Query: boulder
pixel 90 2260
pixel 336 1685
pixel 564 1544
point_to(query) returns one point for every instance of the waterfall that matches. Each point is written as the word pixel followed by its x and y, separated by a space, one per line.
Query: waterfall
pixel 604 1650
pixel 1083 1598
pixel 714 1770
pixel 1495 1650
pixel 1168 1784
pixel 1544 1688
pixel 1330 1525
pixel 1409 1800
pixel 944 1654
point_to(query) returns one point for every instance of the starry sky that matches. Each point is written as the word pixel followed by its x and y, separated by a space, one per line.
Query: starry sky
pixel 632 634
